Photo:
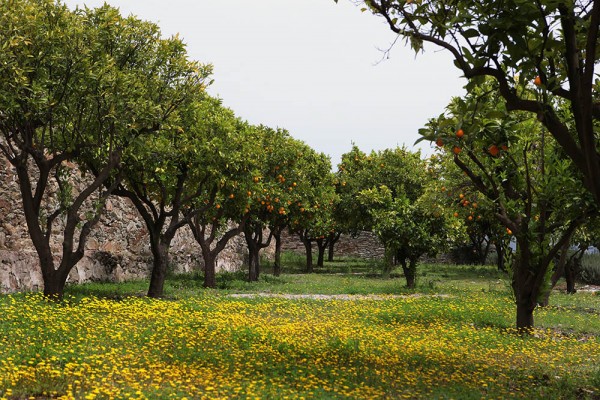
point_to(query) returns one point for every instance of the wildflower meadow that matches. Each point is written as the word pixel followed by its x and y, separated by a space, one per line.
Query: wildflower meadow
pixel 452 341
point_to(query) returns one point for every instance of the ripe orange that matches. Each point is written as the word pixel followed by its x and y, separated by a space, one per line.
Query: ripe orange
pixel 508 231
pixel 456 215
pixel 537 81
pixel 470 218
pixel 439 142
pixel 493 150
pixel 460 133
pixel 456 150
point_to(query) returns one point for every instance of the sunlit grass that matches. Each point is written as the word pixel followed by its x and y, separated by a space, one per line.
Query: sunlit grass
pixel 456 341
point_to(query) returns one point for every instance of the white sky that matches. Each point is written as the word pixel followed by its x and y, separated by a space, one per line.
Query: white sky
pixel 309 66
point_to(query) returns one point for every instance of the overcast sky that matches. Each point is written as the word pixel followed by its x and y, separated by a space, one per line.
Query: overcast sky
pixel 313 67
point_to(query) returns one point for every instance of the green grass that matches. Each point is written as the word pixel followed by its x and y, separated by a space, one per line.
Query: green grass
pixel 451 337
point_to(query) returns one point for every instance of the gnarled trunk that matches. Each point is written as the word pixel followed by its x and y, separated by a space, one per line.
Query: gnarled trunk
pixel 253 233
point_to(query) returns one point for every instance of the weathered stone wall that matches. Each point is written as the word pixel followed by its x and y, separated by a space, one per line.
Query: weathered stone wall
pixel 364 245
pixel 117 250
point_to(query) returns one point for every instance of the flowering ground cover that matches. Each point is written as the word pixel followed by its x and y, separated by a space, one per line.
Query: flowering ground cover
pixel 213 345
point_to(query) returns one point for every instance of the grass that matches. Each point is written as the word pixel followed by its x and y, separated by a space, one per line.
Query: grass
pixel 451 337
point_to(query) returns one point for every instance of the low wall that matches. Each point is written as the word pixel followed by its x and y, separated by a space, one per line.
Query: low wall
pixel 117 250
pixel 364 245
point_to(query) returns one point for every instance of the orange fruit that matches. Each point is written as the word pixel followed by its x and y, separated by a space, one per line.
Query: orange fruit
pixel 537 81
pixel 493 150
pixel 460 133
pixel 456 150
pixel 439 142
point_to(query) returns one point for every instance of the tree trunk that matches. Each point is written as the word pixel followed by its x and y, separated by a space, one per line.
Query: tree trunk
pixel 333 239
pixel 54 284
pixel 524 316
pixel 277 264
pixel 410 272
pixel 210 269
pixel 524 286
pixel 570 273
pixel 330 251
pixel 309 262
pixel 500 254
pixel 160 263
pixel 254 267
pixel 321 246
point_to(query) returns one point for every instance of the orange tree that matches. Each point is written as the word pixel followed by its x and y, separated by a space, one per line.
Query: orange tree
pixel 231 162
pixel 353 175
pixel 475 228
pixel 550 44
pixel 292 177
pixel 270 204
pixel 79 87
pixel 313 222
pixel 183 175
pixel 401 214
pixel 516 164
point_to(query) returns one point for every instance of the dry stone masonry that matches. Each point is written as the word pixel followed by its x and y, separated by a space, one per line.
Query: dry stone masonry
pixel 118 248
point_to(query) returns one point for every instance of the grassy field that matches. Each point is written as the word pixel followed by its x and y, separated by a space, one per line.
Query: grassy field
pixel 452 337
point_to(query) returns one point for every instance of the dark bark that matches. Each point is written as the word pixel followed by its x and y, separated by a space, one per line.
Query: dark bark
pixel 524 290
pixel 160 264
pixel 210 269
pixel 277 263
pixel 206 234
pixel 155 219
pixel 309 260
pixel 40 234
pixel 524 316
pixel 253 233
pixel 410 271
pixel 500 253
pixel 333 239
pixel 54 284
pixel 322 244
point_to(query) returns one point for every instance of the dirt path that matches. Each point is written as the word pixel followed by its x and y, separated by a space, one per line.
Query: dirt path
pixel 336 296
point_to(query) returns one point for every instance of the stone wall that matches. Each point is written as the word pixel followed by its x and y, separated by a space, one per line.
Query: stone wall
pixel 117 250
pixel 364 245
